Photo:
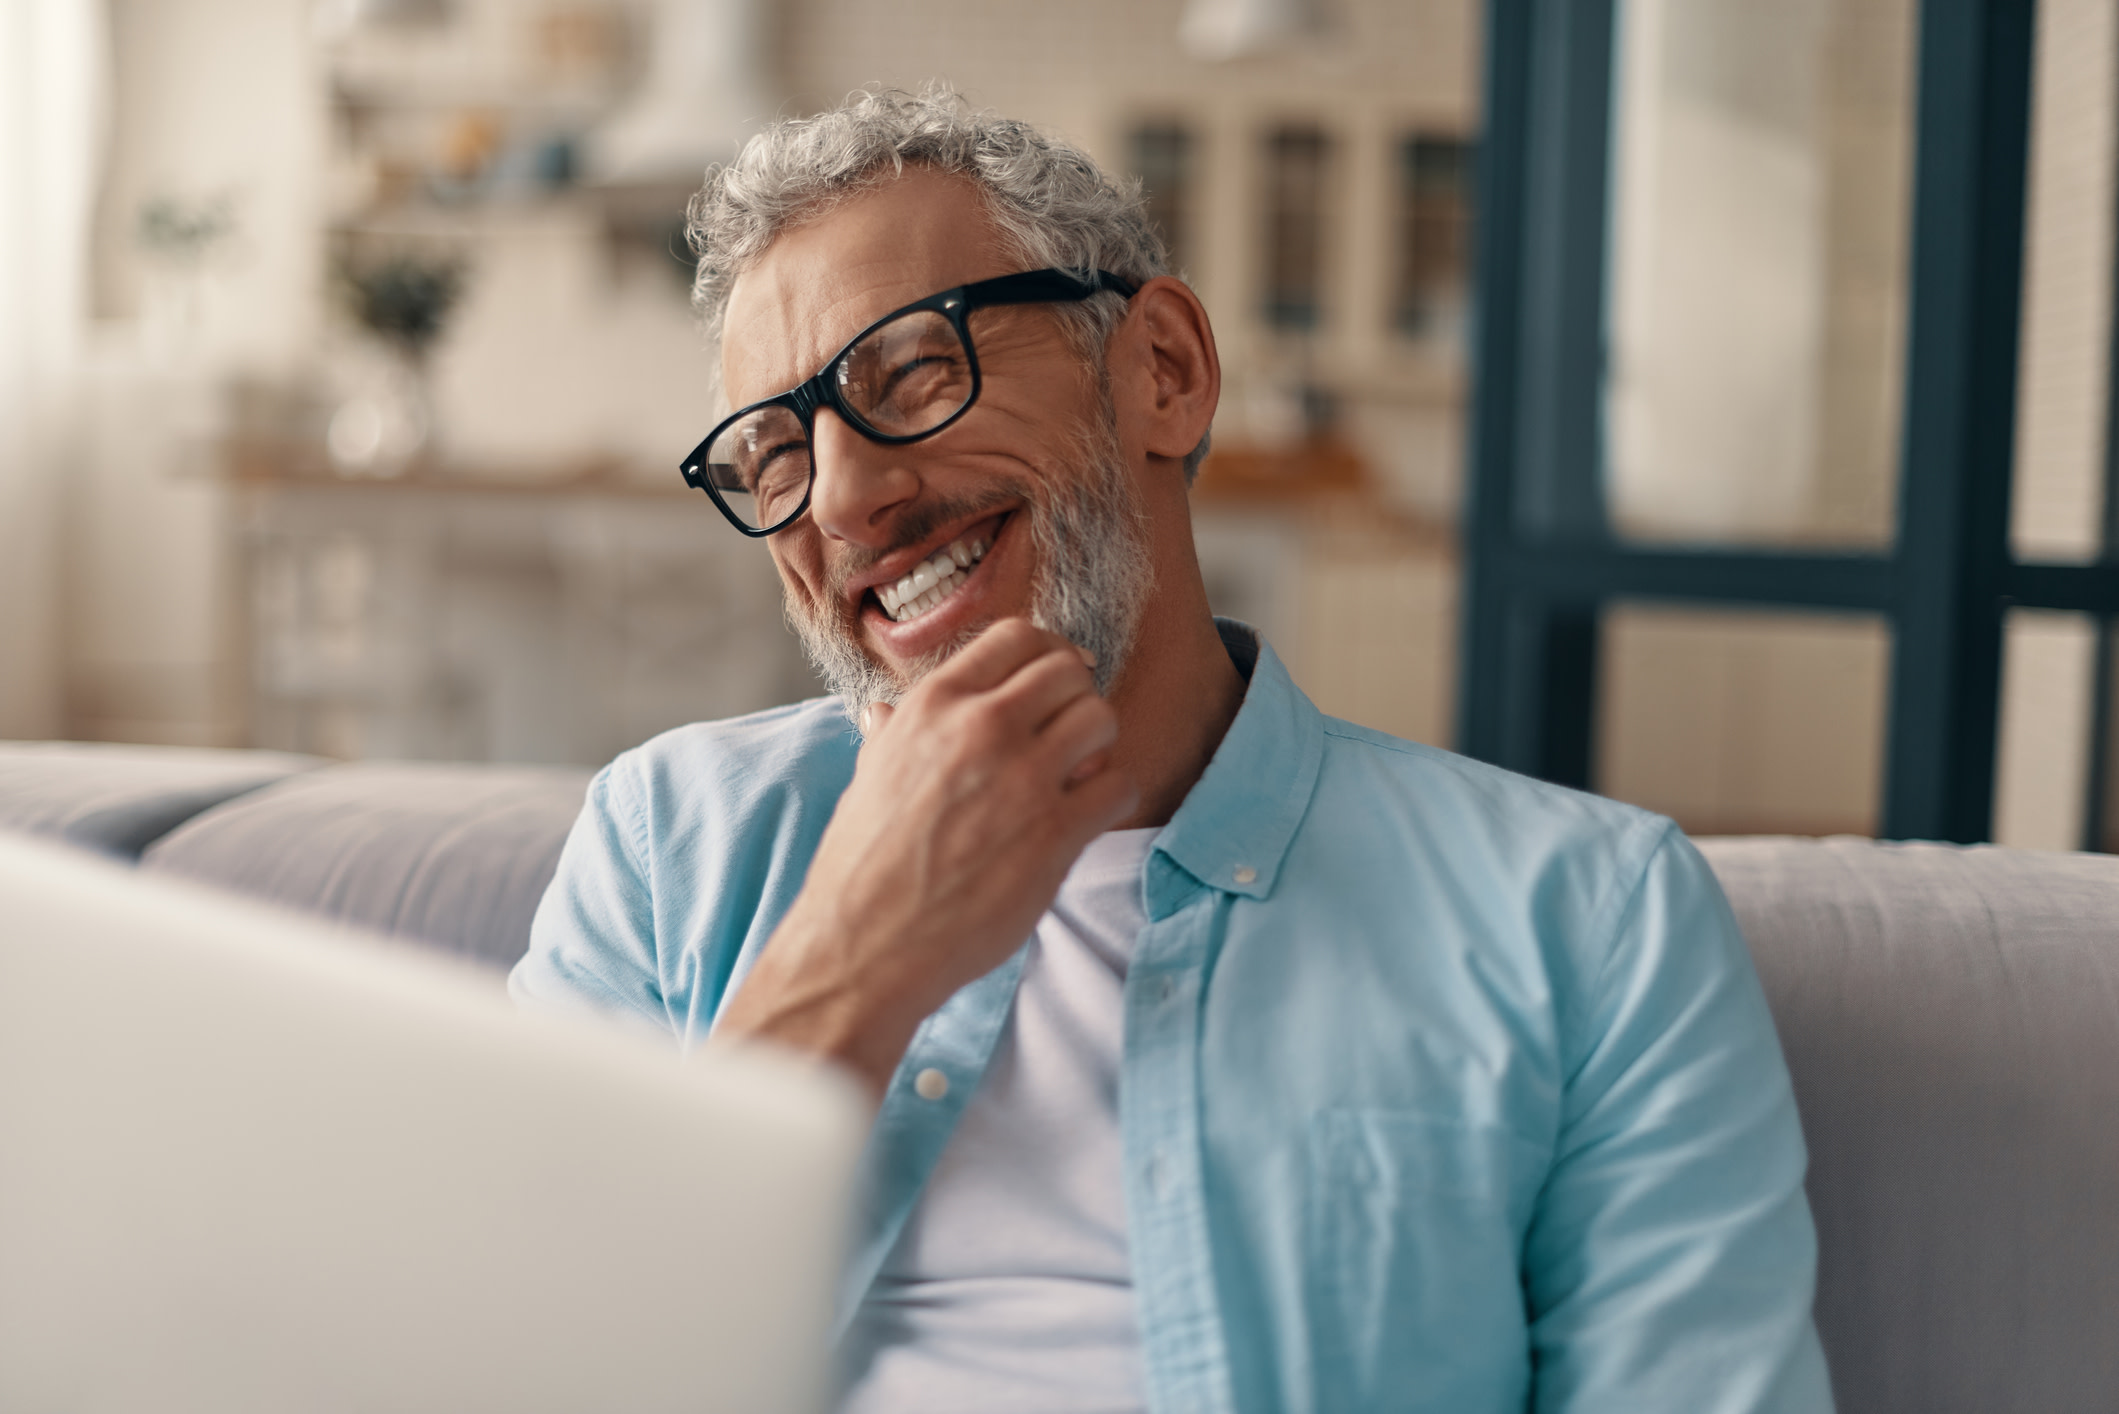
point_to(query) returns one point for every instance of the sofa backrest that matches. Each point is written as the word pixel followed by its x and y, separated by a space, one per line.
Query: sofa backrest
pixel 455 857
pixel 118 799
pixel 1951 1020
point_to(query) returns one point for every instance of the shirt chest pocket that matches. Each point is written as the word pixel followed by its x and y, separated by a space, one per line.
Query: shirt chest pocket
pixel 1414 1228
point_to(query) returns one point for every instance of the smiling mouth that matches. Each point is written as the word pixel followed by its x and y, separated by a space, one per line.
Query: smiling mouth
pixel 934 580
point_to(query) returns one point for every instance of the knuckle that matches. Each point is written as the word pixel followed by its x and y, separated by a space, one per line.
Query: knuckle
pixel 1099 719
pixel 1028 637
pixel 937 684
pixel 1037 678
pixel 974 779
pixel 1016 631
pixel 984 728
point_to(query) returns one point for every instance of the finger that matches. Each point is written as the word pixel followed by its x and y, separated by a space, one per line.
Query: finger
pixel 874 717
pixel 1084 728
pixel 1000 649
pixel 1040 689
pixel 1088 766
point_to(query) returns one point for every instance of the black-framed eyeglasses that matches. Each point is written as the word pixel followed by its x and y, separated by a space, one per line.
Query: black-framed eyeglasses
pixel 907 376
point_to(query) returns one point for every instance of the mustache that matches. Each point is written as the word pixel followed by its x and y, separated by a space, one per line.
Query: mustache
pixel 920 523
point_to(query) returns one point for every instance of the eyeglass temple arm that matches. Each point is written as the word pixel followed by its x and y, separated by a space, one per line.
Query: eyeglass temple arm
pixel 1044 287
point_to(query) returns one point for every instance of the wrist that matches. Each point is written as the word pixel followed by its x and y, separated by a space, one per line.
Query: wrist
pixel 820 988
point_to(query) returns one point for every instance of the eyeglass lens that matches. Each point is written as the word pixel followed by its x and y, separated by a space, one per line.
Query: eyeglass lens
pixel 902 379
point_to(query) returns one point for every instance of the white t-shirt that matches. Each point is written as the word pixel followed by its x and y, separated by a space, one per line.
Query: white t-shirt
pixel 1010 1289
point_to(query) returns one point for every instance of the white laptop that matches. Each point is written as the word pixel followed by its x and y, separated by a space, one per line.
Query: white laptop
pixel 250 1163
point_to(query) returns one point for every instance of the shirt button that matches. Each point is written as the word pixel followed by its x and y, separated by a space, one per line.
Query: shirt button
pixel 1165 990
pixel 1245 874
pixel 930 1084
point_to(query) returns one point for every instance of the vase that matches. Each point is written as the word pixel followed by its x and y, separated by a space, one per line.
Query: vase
pixel 386 419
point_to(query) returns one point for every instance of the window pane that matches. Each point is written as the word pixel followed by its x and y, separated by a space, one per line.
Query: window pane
pixel 1379 629
pixel 1739 723
pixel 2041 775
pixel 1162 155
pixel 2062 375
pixel 1296 159
pixel 1361 606
pixel 1434 229
pixel 1761 165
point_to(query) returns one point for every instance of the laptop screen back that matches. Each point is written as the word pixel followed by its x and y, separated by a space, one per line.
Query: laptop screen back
pixel 250 1163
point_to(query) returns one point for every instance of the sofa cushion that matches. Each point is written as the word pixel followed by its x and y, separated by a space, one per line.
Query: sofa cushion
pixel 1951 1019
pixel 454 856
pixel 119 799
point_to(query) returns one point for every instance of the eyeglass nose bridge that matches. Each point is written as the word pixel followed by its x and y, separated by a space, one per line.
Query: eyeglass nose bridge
pixel 804 401
pixel 823 392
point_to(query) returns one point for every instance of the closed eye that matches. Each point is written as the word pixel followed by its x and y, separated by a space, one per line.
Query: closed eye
pixel 768 455
pixel 906 370
pixel 769 469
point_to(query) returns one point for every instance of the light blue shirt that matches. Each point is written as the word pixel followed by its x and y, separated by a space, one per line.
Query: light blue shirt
pixel 1442 1090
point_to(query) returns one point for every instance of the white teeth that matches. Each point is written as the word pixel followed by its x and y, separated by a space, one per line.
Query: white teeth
pixel 932 582
pixel 922 603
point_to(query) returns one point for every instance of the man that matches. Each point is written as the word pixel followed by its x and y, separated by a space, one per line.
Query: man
pixel 1337 1072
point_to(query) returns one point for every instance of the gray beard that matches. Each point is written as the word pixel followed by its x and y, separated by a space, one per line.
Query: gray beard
pixel 1093 576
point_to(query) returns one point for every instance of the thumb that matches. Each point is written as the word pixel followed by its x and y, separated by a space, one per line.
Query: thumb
pixel 874 717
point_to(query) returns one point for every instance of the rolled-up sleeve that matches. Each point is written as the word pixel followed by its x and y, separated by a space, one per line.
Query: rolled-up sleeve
pixel 592 943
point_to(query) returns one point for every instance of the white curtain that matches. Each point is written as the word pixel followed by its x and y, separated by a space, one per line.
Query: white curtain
pixel 53 60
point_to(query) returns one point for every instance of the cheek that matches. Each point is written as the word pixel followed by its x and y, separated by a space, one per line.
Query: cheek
pixel 801 575
pixel 1044 434
pixel 1054 408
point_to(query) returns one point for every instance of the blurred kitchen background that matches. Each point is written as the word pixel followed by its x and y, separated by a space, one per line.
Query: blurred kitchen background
pixel 345 360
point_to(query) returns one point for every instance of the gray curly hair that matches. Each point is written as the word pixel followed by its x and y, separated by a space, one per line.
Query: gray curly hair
pixel 1050 200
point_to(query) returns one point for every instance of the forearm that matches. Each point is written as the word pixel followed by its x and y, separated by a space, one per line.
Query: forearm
pixel 821 989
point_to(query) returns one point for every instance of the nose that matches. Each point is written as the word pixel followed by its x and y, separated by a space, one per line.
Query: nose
pixel 859 486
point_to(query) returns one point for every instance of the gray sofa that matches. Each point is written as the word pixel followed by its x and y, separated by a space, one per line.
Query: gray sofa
pixel 1951 1017
pixel 454 857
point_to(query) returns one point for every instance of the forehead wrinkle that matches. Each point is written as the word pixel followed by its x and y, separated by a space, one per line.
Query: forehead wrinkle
pixel 791 334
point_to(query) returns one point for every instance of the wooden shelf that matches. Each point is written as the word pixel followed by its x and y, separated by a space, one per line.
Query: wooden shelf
pixel 298 466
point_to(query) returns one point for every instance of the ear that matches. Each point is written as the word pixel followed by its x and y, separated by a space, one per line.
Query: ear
pixel 1171 377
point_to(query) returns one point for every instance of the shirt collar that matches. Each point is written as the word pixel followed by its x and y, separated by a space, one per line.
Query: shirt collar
pixel 1233 830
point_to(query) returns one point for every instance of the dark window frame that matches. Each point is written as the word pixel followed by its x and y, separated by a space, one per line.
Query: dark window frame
pixel 1541 560
pixel 1413 256
pixel 1164 152
pixel 1294 232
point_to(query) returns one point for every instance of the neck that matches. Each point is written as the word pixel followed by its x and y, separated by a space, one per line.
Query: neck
pixel 1176 698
